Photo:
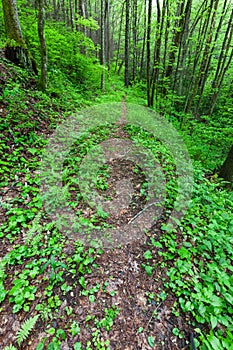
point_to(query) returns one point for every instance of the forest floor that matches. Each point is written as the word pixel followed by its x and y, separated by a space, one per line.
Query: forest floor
pixel 77 296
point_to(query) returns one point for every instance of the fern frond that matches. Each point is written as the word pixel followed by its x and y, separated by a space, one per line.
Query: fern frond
pixel 36 228
pixel 2 269
pixel 36 239
pixel 25 329
pixel 10 347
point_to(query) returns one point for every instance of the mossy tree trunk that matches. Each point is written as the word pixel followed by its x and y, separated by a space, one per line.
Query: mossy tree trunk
pixel 226 171
pixel 16 50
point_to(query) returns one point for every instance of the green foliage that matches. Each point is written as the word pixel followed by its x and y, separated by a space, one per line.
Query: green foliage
pixel 151 341
pixel 201 272
pixel 65 62
pixel 87 22
pixel 218 340
pixel 107 321
pixel 198 265
pixel 80 70
pixel 21 294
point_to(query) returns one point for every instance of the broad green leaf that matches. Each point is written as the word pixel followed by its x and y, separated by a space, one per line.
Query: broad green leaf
pixel 151 341
pixel 148 255
pixel 212 342
pixel 149 270
pixel 214 321
pixel 78 346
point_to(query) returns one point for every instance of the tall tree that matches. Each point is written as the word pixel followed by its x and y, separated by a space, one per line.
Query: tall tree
pixel 119 41
pixel 206 58
pixel 224 61
pixel 102 41
pixel 157 47
pixel 16 50
pixel 107 33
pixel 143 41
pixel 127 27
pixel 183 48
pixel 72 15
pixel 43 49
pixel 148 54
pixel 135 26
pixel 177 35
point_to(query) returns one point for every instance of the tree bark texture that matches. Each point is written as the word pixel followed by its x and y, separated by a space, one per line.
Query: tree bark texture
pixel 226 171
pixel 16 50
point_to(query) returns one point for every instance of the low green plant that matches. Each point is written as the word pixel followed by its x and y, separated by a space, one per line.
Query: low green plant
pixel 74 329
pixel 199 270
pixel 56 270
pixel 21 294
pixel 107 321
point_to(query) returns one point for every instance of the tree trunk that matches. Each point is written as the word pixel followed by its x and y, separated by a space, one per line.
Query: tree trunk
pixel 102 43
pixel 179 77
pixel 176 39
pixel 157 47
pixel 11 19
pixel 143 44
pixel 203 19
pixel 72 15
pixel 107 32
pixel 149 102
pixel 43 49
pixel 208 53
pixel 222 64
pixel 226 171
pixel 127 44
pixel 119 39
pixel 16 50
pixel 135 28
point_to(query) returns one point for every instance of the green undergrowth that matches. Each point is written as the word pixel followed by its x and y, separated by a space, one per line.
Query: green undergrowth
pixel 208 141
pixel 38 272
pixel 198 258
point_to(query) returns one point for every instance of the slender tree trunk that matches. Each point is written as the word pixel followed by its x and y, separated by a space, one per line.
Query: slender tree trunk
pixel 144 42
pixel 223 63
pixel 166 35
pixel 63 10
pixel 127 27
pixel 149 102
pixel 72 15
pixel 135 28
pixel 55 10
pixel 176 39
pixel 220 81
pixel 75 13
pixel 83 13
pixel 179 73
pixel 208 52
pixel 102 42
pixel 119 37
pixel 43 49
pixel 158 40
pixel 202 45
pixel 108 35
